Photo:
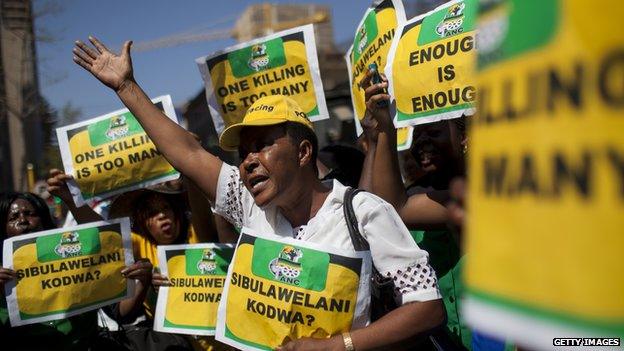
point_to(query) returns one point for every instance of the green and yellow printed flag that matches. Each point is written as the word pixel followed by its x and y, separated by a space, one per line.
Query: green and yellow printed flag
pixel 261 56
pixel 68 244
pixel 197 273
pixel 546 152
pixel 68 271
pixel 283 63
pixel 366 34
pixel 431 65
pixel 115 127
pixel 111 154
pixel 301 267
pixel 281 289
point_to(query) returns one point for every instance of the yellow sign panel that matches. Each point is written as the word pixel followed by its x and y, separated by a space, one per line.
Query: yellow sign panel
pixel 547 172
pixel 279 291
pixel 197 273
pixel 67 271
pixel 112 154
pixel 430 65
pixel 284 63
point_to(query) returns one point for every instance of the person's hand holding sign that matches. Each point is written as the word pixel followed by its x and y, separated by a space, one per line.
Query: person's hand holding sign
pixel 159 279
pixel 141 270
pixel 377 116
pixel 311 344
pixel 57 186
pixel 5 276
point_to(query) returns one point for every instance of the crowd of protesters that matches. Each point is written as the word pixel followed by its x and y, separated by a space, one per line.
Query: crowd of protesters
pixel 283 185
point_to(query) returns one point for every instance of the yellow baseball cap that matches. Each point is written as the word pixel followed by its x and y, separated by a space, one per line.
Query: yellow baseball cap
pixel 266 111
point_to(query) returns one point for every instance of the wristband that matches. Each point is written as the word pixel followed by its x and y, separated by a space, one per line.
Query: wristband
pixel 348 343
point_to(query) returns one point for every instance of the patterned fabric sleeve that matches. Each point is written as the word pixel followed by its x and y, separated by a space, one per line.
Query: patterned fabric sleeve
pixel 395 254
pixel 411 280
pixel 229 197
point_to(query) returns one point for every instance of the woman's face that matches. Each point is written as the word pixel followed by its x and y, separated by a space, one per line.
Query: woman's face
pixel 270 161
pixel 162 223
pixel 22 219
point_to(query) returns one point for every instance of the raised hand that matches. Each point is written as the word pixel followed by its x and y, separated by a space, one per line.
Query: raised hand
pixel 57 184
pixel 376 118
pixel 115 71
pixel 140 270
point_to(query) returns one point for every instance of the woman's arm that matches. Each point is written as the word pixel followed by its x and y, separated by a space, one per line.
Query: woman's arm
pixel 177 145
pixel 141 271
pixel 57 186
pixel 381 173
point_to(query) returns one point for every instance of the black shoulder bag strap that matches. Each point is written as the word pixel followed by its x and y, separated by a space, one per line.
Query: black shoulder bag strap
pixel 382 299
pixel 359 243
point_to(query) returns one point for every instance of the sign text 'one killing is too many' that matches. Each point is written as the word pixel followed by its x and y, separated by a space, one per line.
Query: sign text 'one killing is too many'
pixel 111 154
pixel 283 63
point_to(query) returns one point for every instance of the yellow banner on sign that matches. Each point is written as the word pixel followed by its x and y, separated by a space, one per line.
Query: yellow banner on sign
pixel 284 63
pixel 111 154
pixel 64 272
pixel 279 291
pixel 197 273
pixel 547 172
pixel 430 65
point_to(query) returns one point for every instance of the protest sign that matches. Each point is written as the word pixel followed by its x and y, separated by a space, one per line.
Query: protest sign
pixel 67 271
pixel 372 42
pixel 281 289
pixel 283 63
pixel 111 154
pixel 370 45
pixel 430 65
pixel 404 138
pixel 547 173
pixel 197 273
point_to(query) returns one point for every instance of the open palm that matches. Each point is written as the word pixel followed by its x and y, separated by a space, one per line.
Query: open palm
pixel 112 70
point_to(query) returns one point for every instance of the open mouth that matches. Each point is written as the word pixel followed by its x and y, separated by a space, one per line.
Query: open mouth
pixel 426 160
pixel 166 226
pixel 257 181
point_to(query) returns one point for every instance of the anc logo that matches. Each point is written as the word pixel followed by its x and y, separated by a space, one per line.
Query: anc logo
pixel 286 266
pixel 363 40
pixel 207 264
pixel 69 245
pixel 259 58
pixel 118 128
pixel 365 35
pixel 508 28
pixel 452 22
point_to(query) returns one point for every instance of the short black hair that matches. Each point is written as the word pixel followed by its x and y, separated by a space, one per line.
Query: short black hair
pixel 145 208
pixel 41 209
pixel 298 133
